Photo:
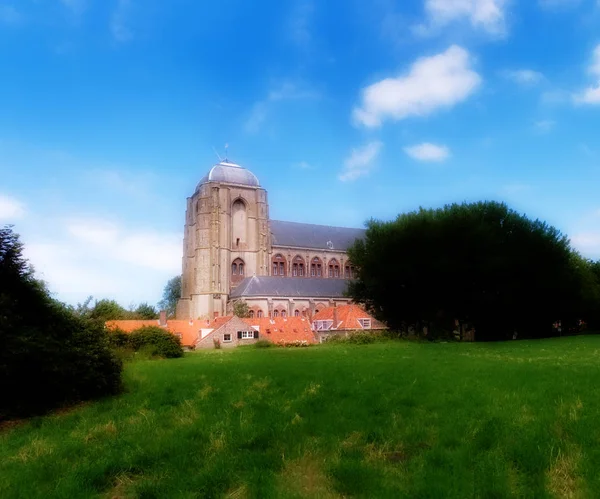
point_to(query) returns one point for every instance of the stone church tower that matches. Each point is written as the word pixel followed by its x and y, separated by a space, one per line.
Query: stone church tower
pixel 226 238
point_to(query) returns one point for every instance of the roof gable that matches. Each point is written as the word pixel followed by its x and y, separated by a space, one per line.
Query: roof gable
pixel 348 317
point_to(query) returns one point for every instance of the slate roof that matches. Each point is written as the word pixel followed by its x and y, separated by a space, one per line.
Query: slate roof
pixel 313 236
pixel 290 286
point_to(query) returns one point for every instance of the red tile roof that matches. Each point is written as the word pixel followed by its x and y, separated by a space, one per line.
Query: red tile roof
pixel 279 330
pixel 283 330
pixel 347 317
pixel 189 330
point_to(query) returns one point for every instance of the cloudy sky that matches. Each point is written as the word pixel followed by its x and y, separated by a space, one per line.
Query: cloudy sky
pixel 110 112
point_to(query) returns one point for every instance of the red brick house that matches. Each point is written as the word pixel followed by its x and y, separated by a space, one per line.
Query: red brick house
pixel 342 319
pixel 234 331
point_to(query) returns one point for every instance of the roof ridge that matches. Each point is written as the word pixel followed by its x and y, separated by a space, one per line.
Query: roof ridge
pixel 318 225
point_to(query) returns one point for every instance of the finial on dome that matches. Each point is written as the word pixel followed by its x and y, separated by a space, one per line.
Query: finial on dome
pixel 226 149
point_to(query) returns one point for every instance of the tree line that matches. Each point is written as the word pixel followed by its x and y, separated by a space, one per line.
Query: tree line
pixel 479 266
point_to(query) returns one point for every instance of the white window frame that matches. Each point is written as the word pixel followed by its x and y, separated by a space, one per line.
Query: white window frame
pixel 323 325
pixel 225 340
pixel 365 323
pixel 247 335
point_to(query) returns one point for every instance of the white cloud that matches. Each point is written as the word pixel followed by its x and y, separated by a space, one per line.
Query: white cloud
pixel 544 126
pixel 299 23
pixel 361 161
pixel 428 152
pixel 482 14
pixel 439 81
pixel 150 249
pixel 260 110
pixel 591 95
pixel 524 76
pixel 10 209
pixel 595 66
pixel 118 22
pixel 587 243
pixel 9 15
pixel 95 257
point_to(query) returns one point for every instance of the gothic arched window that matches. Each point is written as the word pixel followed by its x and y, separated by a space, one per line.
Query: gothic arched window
pixel 316 267
pixel 298 266
pixel 239 224
pixel 238 269
pixel 278 265
pixel 334 268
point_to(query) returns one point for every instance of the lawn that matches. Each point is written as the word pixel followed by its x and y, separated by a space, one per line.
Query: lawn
pixel 395 419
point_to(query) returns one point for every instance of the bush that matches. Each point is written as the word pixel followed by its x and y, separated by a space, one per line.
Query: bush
pixel 163 343
pixel 48 356
pixel 263 344
pixel 356 338
pixel 296 343
pixel 118 338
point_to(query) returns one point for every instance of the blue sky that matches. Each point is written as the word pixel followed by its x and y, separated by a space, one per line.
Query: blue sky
pixel 345 110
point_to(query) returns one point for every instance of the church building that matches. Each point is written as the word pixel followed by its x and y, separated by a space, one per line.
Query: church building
pixel 233 251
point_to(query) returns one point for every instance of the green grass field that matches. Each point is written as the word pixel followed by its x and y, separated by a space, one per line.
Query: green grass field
pixel 395 419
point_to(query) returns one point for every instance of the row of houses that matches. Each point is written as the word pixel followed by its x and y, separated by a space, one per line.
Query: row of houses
pixel 232 331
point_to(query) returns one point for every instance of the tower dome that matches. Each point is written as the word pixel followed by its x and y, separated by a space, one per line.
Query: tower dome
pixel 230 173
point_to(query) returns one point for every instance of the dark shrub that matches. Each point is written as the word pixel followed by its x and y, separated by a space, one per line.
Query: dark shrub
pixel 48 356
pixel 355 338
pixel 163 343
pixel 118 338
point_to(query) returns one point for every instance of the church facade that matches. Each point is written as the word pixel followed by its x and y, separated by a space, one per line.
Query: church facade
pixel 233 251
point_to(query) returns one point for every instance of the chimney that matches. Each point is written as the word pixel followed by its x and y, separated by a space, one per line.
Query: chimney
pixel 335 317
pixel 162 321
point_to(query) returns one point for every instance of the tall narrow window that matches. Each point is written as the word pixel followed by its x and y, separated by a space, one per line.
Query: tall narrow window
pixel 283 313
pixel 316 267
pixel 301 269
pixel 239 224
pixel 237 271
pixel 334 268
pixel 297 313
pixel 275 313
pixel 279 265
pixel 259 314
pixel 295 269
pixel 251 314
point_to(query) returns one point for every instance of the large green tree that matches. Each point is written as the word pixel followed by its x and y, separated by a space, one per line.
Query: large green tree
pixel 171 295
pixel 48 355
pixel 481 263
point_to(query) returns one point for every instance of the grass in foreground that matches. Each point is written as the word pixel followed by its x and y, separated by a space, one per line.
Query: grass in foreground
pixel 396 419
